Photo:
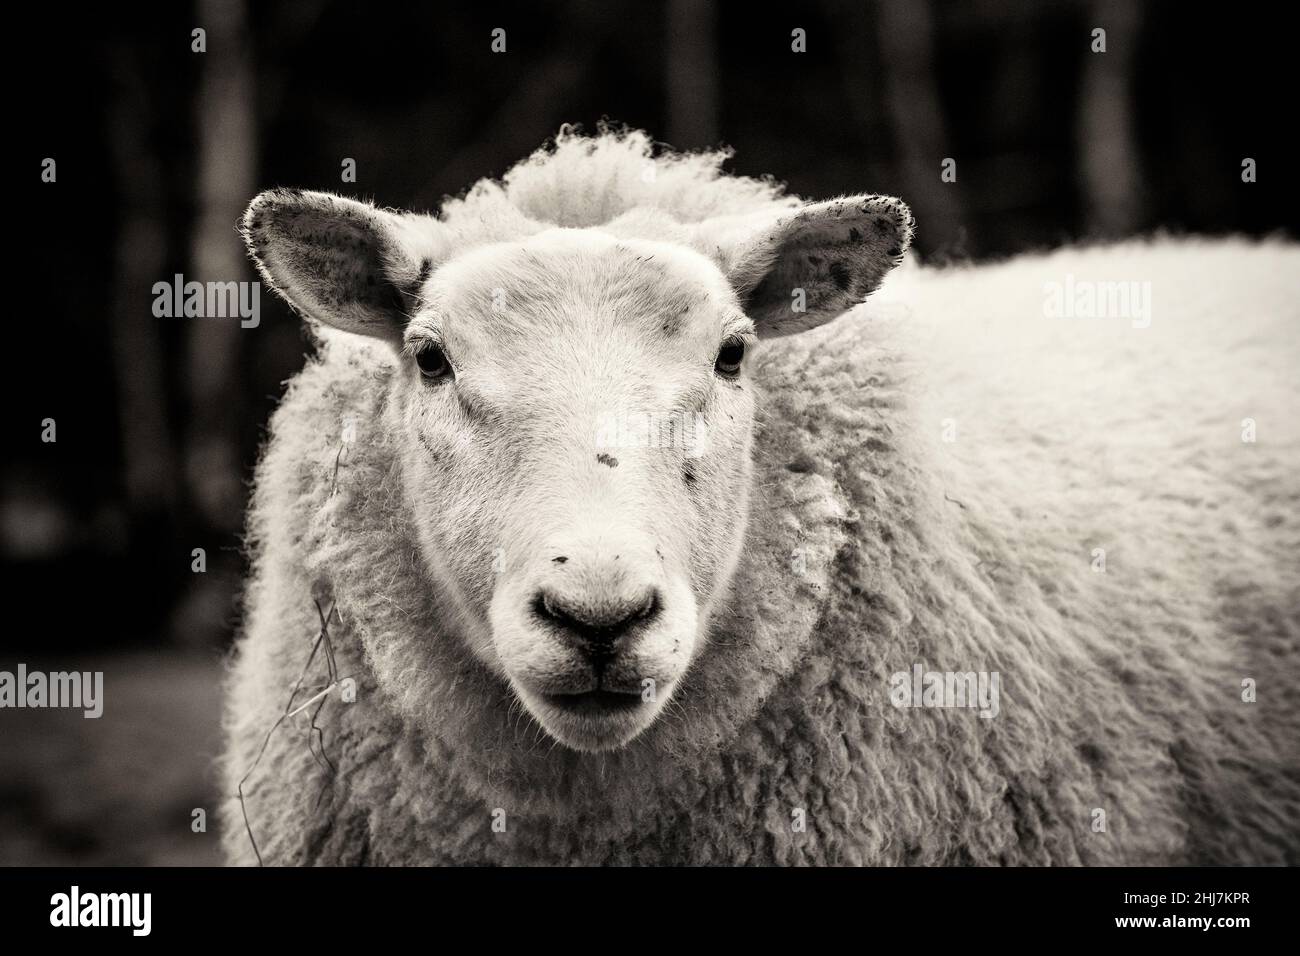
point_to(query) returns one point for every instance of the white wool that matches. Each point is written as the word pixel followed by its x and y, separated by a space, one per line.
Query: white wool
pixel 584 181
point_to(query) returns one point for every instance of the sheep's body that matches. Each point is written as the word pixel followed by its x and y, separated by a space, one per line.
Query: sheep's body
pixel 875 544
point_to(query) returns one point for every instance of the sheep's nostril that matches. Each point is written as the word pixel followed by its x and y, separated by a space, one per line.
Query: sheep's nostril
pixel 596 625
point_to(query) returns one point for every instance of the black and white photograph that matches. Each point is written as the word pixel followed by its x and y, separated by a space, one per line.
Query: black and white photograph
pixel 619 437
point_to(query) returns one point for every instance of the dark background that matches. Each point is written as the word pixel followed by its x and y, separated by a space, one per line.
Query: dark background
pixel 159 149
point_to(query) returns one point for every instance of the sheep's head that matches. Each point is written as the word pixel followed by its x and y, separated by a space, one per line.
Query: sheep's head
pixel 574 410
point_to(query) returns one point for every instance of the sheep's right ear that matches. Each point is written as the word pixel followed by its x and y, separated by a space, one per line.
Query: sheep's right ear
pixel 340 261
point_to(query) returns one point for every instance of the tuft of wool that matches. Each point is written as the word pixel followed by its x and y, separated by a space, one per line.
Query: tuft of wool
pixel 581 181
pixel 875 544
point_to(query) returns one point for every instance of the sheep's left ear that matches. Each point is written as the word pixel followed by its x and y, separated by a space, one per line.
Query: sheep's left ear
pixel 816 261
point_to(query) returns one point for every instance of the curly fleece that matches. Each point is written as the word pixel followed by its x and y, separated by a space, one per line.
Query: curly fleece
pixel 933 472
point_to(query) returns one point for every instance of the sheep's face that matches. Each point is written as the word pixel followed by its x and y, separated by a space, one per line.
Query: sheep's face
pixel 573 410
pixel 577 412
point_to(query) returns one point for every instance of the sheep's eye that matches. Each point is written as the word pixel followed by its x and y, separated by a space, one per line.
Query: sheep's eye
pixel 433 362
pixel 729 358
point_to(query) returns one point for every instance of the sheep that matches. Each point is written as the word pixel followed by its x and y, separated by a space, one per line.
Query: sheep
pixel 511 627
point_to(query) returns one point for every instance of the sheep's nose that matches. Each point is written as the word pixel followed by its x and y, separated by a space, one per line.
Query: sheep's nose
pixel 595 626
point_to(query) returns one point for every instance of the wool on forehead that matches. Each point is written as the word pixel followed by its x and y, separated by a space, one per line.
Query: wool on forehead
pixel 582 181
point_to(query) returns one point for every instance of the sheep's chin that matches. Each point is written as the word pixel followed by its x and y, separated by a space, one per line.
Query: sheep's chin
pixel 591 733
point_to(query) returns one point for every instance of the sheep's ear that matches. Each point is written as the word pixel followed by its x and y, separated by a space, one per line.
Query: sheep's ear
pixel 816 261
pixel 340 261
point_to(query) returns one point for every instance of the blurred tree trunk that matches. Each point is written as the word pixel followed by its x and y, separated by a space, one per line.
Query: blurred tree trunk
pixel 511 130
pixel 906 32
pixel 692 74
pixel 224 124
pixel 139 256
pixel 1110 166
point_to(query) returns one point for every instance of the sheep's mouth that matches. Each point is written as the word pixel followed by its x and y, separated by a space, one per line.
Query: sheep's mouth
pixel 595 703
pixel 594 717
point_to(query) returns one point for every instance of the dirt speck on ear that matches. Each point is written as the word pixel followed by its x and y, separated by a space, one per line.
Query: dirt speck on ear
pixel 840 275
